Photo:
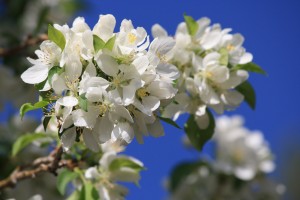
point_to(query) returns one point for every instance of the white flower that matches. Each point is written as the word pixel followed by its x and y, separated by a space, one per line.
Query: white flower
pixel 105 27
pixel 130 40
pixel 241 152
pixel 209 74
pixel 106 176
pixel 205 62
pixel 96 95
pixel 48 56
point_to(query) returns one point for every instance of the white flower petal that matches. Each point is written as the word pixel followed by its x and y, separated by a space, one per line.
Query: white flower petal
pixel 68 138
pixel 156 129
pixel 141 64
pixel 58 84
pixel 67 101
pixel 158 31
pixel 123 131
pixel 105 27
pixel 103 128
pixel 108 65
pixel 121 111
pixel 91 173
pixel 73 69
pixel 151 102
pixel 35 74
pixel 90 140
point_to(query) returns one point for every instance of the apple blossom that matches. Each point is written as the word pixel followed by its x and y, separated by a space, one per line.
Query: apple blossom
pixel 102 82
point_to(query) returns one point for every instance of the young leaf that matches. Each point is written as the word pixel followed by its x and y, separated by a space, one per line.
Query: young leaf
pixel 28 107
pixel 56 36
pixel 182 171
pixel 63 179
pixel 169 121
pixel 98 43
pixel 250 67
pixel 198 137
pixel 125 162
pixel 88 192
pixel 247 90
pixel 192 25
pixel 224 57
pixel 46 121
pixel 24 140
pixel 41 85
pixel 52 71
pixel 83 103
pixel 74 196
pixel 110 43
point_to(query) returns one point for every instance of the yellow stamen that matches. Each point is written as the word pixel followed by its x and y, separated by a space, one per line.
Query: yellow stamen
pixel 132 38
pixel 142 92
pixel 230 47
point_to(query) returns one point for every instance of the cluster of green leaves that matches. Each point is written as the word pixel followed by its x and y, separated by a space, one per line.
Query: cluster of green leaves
pixel 100 44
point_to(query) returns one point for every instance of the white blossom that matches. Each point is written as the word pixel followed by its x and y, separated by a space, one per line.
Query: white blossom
pixel 97 93
pixel 206 61
pixel 107 174
pixel 240 151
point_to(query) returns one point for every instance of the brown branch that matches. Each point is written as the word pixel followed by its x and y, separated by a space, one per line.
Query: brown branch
pixel 44 164
pixel 27 43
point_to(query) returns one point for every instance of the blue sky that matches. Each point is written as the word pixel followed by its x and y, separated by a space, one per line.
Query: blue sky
pixel 272 32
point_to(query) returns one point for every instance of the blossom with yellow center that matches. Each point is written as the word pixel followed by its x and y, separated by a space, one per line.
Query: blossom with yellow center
pixel 132 38
pixel 142 92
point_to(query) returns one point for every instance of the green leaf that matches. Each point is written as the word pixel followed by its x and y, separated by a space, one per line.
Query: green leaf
pixel 46 121
pixel 63 180
pixel 181 171
pixel 52 71
pixel 41 85
pixel 56 36
pixel 110 43
pixel 28 107
pixel 83 102
pixel 98 43
pixel 247 90
pixel 224 57
pixel 24 140
pixel 88 192
pixel 250 67
pixel 198 137
pixel 74 196
pixel 191 24
pixel 169 121
pixel 118 163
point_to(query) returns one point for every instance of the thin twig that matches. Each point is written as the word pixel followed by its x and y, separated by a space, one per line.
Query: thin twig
pixel 30 41
pixel 44 164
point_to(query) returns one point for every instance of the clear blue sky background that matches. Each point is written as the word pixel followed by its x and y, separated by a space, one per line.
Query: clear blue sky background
pixel 272 32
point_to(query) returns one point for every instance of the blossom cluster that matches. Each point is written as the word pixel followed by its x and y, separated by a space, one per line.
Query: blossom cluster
pixel 205 183
pixel 209 59
pixel 238 171
pixel 239 151
pixel 101 84
pixel 114 168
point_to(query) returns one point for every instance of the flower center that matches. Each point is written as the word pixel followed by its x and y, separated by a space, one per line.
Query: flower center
pixel 230 47
pixel 132 38
pixel 142 92
pixel 102 108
